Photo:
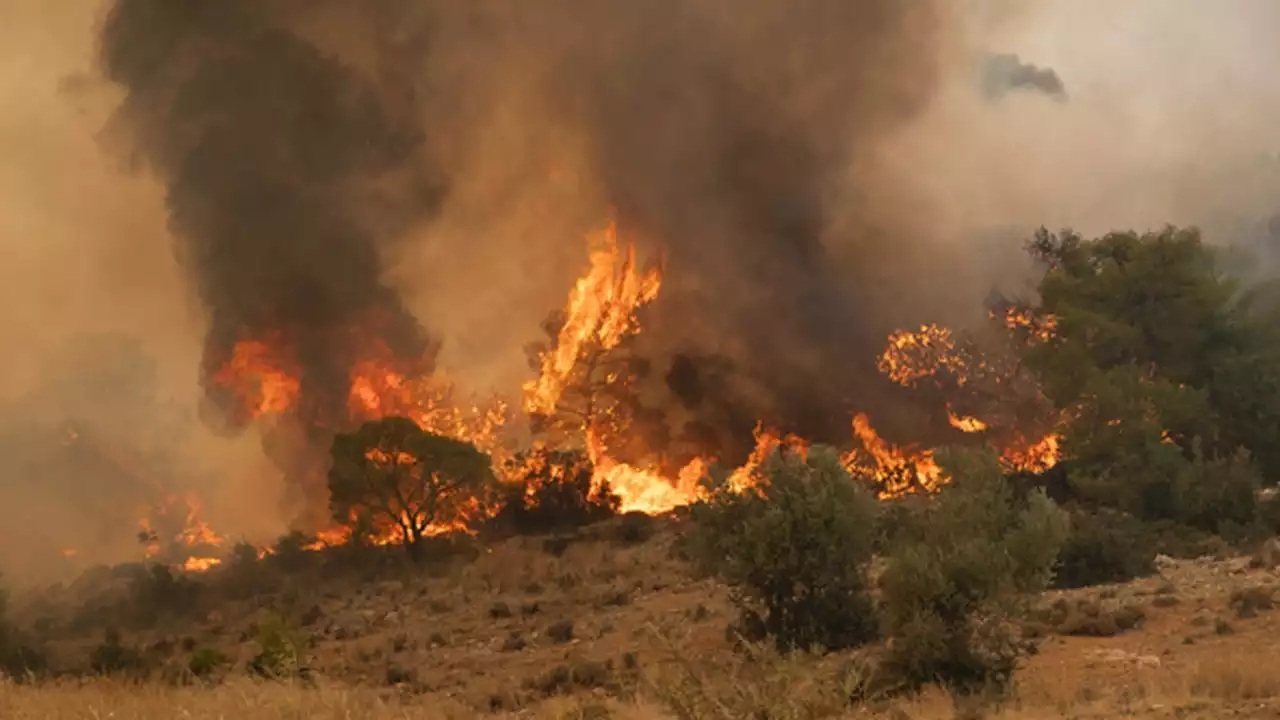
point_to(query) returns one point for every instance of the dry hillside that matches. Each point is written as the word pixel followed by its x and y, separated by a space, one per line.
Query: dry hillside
pixel 600 628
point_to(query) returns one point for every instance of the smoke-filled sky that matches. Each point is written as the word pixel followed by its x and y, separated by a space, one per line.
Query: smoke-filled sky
pixel 814 177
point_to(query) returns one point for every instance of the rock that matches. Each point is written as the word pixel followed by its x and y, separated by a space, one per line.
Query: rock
pixel 1268 556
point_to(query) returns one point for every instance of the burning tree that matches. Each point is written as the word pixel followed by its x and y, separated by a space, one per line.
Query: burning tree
pixel 405 480
pixel 554 490
pixel 587 368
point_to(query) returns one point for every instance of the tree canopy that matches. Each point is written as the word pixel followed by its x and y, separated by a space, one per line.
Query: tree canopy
pixel 397 476
pixel 1160 364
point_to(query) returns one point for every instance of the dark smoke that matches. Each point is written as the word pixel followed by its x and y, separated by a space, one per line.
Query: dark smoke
pixel 271 150
pixel 1003 73
pixel 742 140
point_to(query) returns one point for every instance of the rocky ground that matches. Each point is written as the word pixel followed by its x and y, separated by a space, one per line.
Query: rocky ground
pixel 517 629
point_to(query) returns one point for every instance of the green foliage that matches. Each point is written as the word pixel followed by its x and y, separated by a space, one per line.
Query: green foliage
pixel 795 549
pixel 113 657
pixel 281 650
pixel 959 574
pixel 159 592
pixel 1158 361
pixel 400 476
pixel 1105 546
pixel 555 492
pixel 206 661
pixel 290 552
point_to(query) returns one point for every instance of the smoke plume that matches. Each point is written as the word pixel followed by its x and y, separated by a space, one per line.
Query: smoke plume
pixel 724 139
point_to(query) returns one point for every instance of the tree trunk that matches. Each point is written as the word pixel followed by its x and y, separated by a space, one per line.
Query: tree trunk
pixel 413 545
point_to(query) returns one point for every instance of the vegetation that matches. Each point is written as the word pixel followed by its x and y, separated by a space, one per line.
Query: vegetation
pixel 795 550
pixel 1167 374
pixel 959 575
pixel 554 491
pixel 393 473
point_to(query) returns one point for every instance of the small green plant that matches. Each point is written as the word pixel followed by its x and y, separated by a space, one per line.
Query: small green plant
pixel 960 575
pixel 204 662
pixel 281 650
pixel 795 549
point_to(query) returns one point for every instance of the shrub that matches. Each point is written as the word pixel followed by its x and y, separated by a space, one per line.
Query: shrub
pixel 794 548
pixel 281 650
pixel 957 581
pixel 290 552
pixel 159 591
pixel 1105 547
pixel 555 492
pixel 114 657
pixel 204 662
pixel 18 660
pixel 634 528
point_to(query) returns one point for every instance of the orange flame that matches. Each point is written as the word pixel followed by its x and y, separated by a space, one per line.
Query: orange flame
pixel 601 311
pixel 261 380
pixel 965 423
pixel 895 467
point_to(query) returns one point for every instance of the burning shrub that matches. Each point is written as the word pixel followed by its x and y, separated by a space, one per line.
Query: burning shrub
pixel 411 482
pixel 795 548
pixel 555 491
pixel 959 574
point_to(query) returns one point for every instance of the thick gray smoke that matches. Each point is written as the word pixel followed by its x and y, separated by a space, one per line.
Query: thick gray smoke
pixel 301 140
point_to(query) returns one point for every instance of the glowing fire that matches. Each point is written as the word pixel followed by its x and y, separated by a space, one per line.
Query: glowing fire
pixel 897 469
pixel 965 423
pixel 600 312
pixel 1034 457
pixel 262 381
pixel 200 564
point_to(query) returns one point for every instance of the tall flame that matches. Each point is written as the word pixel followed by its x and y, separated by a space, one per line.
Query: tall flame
pixel 601 312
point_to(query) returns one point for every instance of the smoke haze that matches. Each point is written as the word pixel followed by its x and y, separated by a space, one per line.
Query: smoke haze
pixel 814 174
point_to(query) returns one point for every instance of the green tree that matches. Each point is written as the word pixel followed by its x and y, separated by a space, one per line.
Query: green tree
pixel 795 548
pixel 406 478
pixel 1160 365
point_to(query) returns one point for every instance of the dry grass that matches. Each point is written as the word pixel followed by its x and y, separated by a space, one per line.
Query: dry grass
pixel 758 684
pixel 248 700
pixel 661 634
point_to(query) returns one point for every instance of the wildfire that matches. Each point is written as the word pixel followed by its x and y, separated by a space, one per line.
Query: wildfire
pixel 200 564
pixel 965 423
pixel 1035 457
pixel 912 356
pixel 377 391
pixel 262 381
pixel 767 441
pixel 1034 326
pixel 600 312
pixel 897 470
